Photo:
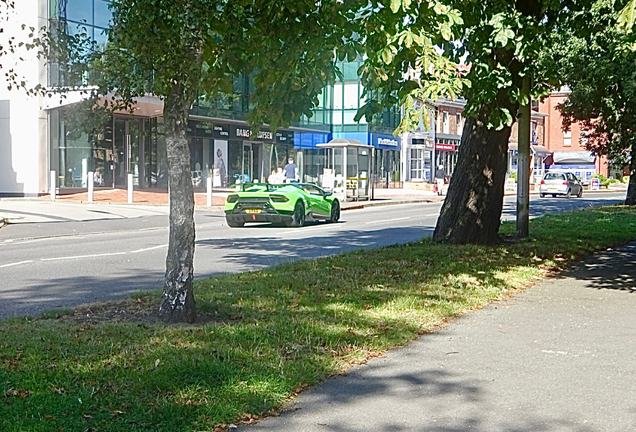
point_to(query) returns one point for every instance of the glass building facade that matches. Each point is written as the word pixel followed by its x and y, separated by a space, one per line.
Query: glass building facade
pixel 221 145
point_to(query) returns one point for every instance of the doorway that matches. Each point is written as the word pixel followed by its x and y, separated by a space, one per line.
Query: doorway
pixel 251 162
pixel 124 159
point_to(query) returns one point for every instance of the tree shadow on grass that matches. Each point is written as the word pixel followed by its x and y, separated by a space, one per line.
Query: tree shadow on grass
pixel 296 325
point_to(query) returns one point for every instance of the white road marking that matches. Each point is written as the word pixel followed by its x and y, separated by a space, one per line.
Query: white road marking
pixel 388 220
pixel 43 239
pixel 83 256
pixel 149 248
pixel 16 263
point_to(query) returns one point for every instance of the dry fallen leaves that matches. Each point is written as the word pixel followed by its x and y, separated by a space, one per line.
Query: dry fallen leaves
pixel 22 393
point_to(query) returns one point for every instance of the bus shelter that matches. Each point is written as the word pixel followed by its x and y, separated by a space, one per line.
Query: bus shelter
pixel 350 170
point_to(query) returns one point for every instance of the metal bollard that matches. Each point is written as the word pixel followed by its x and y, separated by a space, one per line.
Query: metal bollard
pixel 130 188
pixel 209 191
pixel 53 180
pixel 89 182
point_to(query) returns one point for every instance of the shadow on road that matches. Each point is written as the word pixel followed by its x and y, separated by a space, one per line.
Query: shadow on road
pixel 234 254
pixel 268 249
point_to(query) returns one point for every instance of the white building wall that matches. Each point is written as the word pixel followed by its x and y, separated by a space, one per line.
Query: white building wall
pixel 23 141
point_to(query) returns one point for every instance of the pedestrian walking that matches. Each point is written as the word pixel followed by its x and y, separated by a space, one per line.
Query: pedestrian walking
pixel 439 179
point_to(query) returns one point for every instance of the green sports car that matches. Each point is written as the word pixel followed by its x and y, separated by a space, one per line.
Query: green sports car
pixel 289 204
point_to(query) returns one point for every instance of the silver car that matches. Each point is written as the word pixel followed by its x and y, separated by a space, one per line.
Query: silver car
pixel 560 183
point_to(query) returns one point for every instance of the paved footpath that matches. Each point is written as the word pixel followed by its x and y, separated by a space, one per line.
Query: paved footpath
pixel 112 204
pixel 558 357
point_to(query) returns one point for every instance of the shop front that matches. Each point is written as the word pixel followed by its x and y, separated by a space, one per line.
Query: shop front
pixel 136 145
pixel 386 161
pixel 581 163
pixel 252 159
pixel 539 155
pixel 446 156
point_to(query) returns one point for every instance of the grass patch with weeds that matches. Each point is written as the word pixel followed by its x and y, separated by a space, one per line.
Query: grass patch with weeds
pixel 267 334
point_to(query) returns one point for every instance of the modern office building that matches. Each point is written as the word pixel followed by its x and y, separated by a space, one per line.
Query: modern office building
pixel 39 135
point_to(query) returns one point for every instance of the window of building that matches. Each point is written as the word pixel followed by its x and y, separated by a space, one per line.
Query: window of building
pixel 460 124
pixel 417 162
pixel 445 122
pixel 567 139
pixel 349 116
pixel 337 96
pixel 351 96
pixel 337 117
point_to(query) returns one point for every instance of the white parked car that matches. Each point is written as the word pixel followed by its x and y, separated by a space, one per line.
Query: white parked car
pixel 560 183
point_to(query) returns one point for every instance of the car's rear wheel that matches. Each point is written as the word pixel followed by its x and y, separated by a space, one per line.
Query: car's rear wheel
pixel 298 218
pixel 580 194
pixel 553 195
pixel 234 224
pixel 542 195
pixel 335 211
pixel 568 194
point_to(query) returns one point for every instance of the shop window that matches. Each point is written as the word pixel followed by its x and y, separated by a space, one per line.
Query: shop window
pixel 416 164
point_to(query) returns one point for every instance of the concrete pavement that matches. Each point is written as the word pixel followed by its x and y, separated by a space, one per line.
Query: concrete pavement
pixel 557 357
pixel 112 204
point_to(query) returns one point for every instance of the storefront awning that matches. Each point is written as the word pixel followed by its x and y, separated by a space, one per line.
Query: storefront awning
pixel 537 150
pixel 343 142
pixel 574 157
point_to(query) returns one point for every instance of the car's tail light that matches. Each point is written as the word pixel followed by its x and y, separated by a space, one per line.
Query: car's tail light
pixel 542 181
pixel 232 198
pixel 278 198
pixel 565 183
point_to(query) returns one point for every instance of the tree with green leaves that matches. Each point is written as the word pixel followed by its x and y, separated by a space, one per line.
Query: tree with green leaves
pixel 404 65
pixel 501 42
pixel 182 50
pixel 598 67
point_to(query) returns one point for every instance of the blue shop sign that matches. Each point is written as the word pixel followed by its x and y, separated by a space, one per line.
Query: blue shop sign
pixel 385 142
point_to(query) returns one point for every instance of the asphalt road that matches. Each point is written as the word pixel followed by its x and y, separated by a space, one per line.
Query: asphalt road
pixel 63 264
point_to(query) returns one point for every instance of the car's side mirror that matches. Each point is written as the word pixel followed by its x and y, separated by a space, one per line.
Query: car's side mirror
pixel 328 193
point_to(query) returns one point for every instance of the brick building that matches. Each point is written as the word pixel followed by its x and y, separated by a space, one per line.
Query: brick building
pixel 568 147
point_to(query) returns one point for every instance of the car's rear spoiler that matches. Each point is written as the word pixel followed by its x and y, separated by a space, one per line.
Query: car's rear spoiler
pixel 242 187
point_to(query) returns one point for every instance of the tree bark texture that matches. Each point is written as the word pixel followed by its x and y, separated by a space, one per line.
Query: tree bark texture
pixel 631 188
pixel 178 304
pixel 472 210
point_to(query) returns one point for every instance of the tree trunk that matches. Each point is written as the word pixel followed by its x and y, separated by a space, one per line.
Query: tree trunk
pixel 472 210
pixel 631 189
pixel 177 304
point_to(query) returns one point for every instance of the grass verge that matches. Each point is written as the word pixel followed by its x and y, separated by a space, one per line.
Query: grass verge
pixel 275 331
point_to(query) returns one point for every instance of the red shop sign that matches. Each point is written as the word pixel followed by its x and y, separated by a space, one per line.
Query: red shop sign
pixel 446 147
